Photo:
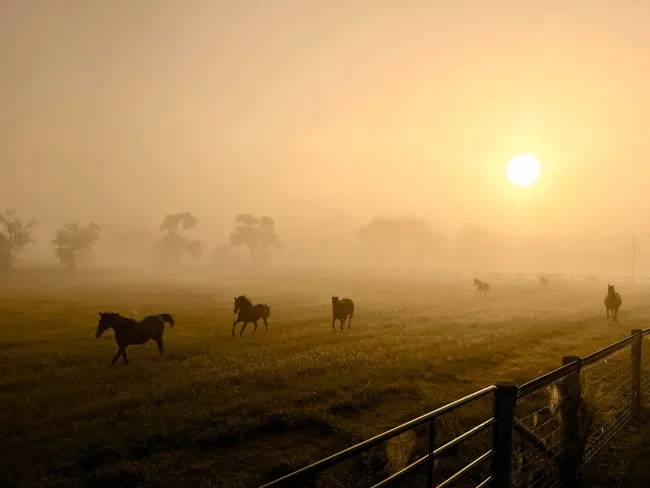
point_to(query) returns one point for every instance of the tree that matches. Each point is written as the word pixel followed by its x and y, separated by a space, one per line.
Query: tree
pixel 73 239
pixel 174 243
pixel 406 240
pixel 15 234
pixel 257 234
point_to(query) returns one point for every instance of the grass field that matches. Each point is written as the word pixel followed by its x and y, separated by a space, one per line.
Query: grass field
pixel 230 412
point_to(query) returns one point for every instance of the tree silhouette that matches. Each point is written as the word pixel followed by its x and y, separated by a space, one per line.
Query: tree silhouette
pixel 15 234
pixel 257 234
pixel 404 240
pixel 73 239
pixel 174 243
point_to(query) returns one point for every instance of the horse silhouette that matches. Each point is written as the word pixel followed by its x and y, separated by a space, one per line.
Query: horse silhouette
pixel 341 309
pixel 481 287
pixel 613 302
pixel 247 312
pixel 131 332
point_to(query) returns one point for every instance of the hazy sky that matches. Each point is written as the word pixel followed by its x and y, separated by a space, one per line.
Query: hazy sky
pixel 326 110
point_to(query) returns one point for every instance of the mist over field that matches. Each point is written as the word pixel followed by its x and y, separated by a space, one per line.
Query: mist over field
pixel 397 204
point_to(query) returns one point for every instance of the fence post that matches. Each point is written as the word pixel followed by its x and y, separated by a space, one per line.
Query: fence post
pixel 636 370
pixel 569 405
pixel 505 400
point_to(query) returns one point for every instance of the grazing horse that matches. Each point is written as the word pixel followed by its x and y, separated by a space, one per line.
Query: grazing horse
pixel 543 281
pixel 247 312
pixel 613 302
pixel 481 287
pixel 133 332
pixel 341 309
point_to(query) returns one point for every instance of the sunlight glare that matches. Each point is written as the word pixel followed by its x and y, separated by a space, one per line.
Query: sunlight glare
pixel 523 170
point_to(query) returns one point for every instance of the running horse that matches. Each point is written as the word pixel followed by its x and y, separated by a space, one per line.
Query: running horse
pixel 131 332
pixel 247 312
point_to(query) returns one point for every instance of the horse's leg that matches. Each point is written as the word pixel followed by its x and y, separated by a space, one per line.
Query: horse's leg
pixel 607 308
pixel 334 324
pixel 117 356
pixel 342 323
pixel 234 324
pixel 242 328
pixel 160 344
pixel 255 326
pixel 266 324
pixel 350 322
pixel 126 360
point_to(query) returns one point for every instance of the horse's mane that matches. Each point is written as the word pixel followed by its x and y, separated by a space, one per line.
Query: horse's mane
pixel 245 299
pixel 117 316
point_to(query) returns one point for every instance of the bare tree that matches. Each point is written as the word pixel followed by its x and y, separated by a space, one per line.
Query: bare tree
pixel 15 234
pixel 257 234
pixel 174 243
pixel 73 239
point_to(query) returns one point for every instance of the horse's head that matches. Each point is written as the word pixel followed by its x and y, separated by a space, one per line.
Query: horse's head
pixel 105 323
pixel 477 282
pixel 335 300
pixel 242 302
pixel 610 290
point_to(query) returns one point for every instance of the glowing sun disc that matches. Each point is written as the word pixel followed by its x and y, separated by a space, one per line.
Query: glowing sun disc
pixel 523 170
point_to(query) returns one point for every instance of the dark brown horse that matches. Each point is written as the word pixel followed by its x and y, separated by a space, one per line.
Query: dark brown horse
pixel 247 312
pixel 613 302
pixel 131 332
pixel 341 309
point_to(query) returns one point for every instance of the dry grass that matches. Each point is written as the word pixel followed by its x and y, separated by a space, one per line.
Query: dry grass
pixel 233 412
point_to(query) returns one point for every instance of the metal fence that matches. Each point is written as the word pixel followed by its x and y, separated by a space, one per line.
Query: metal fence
pixel 537 435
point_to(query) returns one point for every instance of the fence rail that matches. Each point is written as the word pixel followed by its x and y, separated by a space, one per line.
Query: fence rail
pixel 541 432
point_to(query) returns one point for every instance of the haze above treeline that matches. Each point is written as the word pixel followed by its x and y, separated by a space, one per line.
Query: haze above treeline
pixel 325 116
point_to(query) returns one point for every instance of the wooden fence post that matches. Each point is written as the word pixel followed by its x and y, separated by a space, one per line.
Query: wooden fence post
pixel 569 405
pixel 635 358
pixel 505 401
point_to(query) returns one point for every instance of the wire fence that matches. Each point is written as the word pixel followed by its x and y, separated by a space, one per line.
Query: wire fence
pixel 542 434
pixel 536 457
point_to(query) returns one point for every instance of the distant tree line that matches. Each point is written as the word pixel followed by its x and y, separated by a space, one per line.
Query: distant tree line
pixel 391 241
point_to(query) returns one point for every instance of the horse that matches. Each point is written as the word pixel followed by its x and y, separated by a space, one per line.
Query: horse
pixel 481 287
pixel 543 281
pixel 341 309
pixel 613 302
pixel 130 332
pixel 247 312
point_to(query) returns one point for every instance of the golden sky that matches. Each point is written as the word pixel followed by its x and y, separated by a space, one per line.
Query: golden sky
pixel 327 111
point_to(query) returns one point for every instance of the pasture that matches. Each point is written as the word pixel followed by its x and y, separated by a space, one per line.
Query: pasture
pixel 219 411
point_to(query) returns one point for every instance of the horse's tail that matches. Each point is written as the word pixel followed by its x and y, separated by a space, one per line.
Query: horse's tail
pixel 268 310
pixel 167 318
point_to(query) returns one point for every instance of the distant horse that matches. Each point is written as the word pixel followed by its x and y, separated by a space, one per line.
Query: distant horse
pixel 543 281
pixel 613 302
pixel 247 312
pixel 130 332
pixel 341 309
pixel 481 287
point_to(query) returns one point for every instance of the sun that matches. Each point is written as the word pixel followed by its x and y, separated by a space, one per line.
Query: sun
pixel 523 170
